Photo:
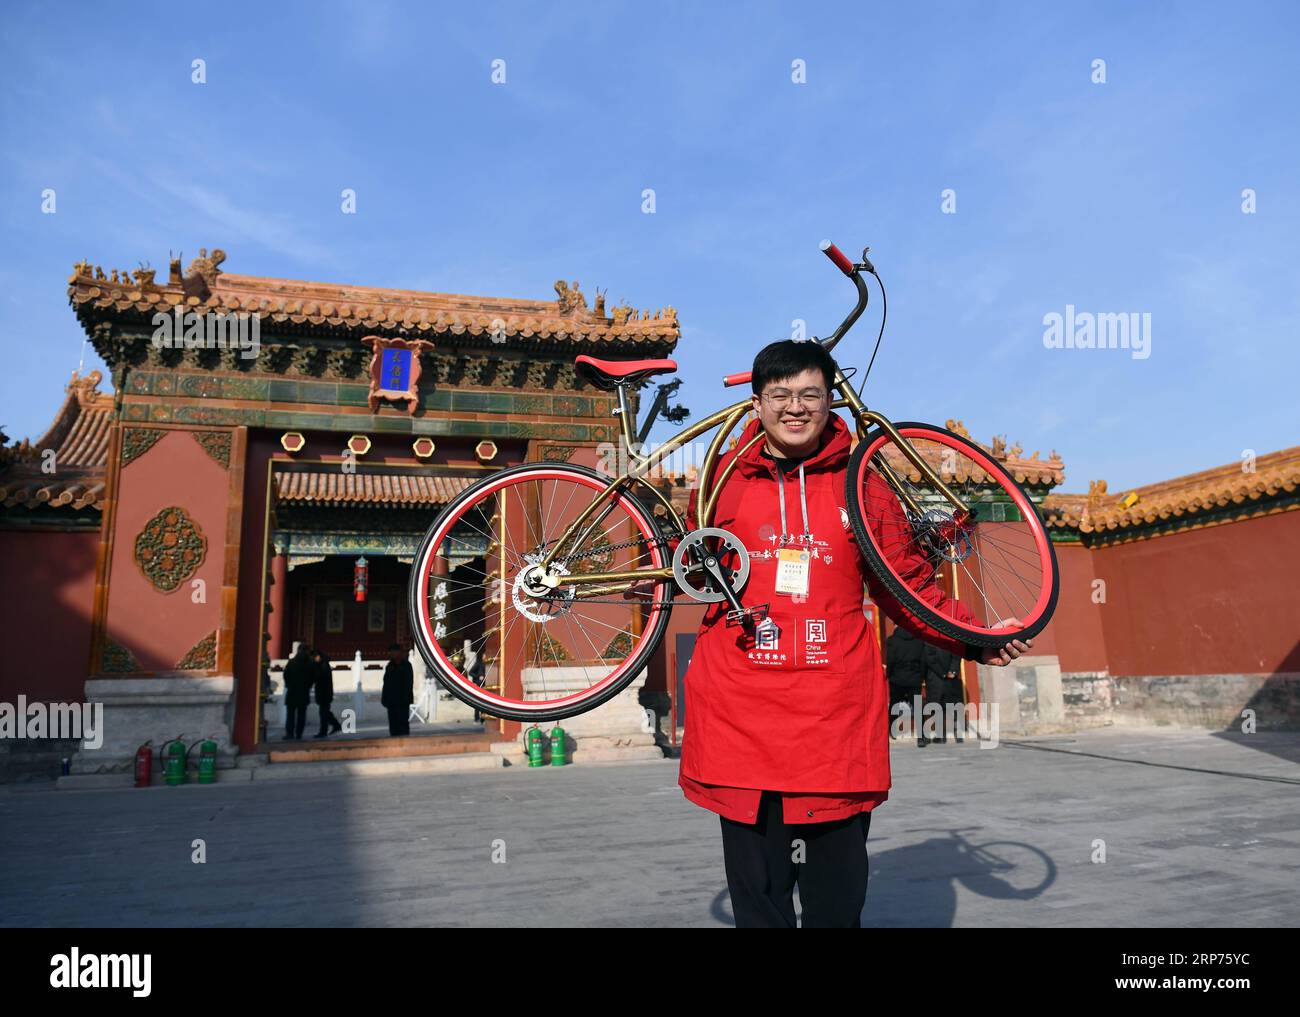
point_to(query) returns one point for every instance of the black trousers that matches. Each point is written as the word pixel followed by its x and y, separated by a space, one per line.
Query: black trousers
pixel 327 718
pixel 944 691
pixel 399 720
pixel 911 721
pixel 763 868
pixel 296 721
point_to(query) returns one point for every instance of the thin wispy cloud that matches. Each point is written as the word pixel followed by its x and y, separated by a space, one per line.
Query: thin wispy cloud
pixel 217 215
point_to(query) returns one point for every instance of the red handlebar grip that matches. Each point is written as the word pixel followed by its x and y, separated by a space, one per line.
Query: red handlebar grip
pixel 737 379
pixel 837 256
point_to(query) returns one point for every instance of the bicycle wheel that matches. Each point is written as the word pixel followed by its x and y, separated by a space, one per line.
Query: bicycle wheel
pixel 998 562
pixel 550 653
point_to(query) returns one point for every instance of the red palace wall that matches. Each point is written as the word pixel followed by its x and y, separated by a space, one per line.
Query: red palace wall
pixel 1075 632
pixel 46 594
pixel 158 627
pixel 1218 600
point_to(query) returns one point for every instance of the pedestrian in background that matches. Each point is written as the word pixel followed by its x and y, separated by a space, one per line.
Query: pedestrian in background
pixel 399 691
pixel 299 676
pixel 943 686
pixel 905 670
pixel 325 694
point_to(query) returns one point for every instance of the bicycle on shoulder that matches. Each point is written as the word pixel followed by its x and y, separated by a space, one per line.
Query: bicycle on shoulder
pixel 563 578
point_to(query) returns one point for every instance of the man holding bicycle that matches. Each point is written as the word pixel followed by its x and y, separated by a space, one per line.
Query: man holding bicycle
pixel 787 719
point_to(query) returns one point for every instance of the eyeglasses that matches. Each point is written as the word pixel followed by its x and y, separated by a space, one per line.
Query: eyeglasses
pixel 812 399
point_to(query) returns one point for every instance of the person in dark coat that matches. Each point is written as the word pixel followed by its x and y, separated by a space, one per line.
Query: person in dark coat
pixel 905 670
pixel 325 694
pixel 473 668
pixel 943 686
pixel 299 675
pixel 399 691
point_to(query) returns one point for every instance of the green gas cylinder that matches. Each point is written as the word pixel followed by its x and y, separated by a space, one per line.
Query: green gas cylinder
pixel 174 762
pixel 557 746
pixel 534 740
pixel 208 762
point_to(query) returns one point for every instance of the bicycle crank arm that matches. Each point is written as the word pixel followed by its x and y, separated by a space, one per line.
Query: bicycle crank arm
pixel 745 616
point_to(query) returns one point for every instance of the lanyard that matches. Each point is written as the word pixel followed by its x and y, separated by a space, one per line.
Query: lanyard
pixel 803 499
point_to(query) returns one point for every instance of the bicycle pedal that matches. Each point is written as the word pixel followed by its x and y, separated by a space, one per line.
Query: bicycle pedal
pixel 748 617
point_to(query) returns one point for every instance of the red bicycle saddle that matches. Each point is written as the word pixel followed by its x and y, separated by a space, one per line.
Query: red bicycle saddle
pixel 607 373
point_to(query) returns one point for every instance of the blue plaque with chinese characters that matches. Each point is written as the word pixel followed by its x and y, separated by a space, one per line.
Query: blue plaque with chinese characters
pixel 395 370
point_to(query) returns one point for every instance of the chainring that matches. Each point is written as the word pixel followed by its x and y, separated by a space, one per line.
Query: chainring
pixel 688 563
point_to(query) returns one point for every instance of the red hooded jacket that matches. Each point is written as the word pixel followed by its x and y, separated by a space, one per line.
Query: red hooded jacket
pixel 800 707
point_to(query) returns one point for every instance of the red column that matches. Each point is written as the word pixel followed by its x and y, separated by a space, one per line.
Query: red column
pixel 277 621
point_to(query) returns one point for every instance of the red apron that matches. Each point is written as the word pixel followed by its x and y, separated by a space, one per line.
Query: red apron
pixel 801 705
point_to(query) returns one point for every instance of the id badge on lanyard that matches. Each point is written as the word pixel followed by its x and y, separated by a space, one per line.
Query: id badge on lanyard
pixel 793 565
pixel 792 570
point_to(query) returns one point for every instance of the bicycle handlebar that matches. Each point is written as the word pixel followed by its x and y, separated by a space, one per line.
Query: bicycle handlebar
pixel 851 270
pixel 837 256
pixel 854 272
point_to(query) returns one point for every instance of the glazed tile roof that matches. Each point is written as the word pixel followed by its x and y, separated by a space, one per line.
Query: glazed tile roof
pixel 324 307
pixel 1032 472
pixel 390 490
pixel 79 438
pixel 1277 473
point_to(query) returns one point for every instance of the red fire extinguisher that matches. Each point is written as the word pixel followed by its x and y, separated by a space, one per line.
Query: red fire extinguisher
pixel 144 765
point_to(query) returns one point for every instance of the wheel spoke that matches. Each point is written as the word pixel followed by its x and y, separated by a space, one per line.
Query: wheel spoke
pixel 1006 567
pixel 596 638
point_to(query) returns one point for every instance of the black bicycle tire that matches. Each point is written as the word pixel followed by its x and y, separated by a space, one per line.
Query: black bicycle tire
pixel 905 596
pixel 491 707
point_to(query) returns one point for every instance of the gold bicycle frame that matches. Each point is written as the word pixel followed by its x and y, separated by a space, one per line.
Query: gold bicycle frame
pixel 725 420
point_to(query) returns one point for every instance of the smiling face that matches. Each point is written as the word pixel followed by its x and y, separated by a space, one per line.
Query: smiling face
pixel 793 412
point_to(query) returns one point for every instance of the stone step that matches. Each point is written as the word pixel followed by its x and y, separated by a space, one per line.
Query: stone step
pixel 624 754
pixel 381 748
pixel 100 781
pixel 389 767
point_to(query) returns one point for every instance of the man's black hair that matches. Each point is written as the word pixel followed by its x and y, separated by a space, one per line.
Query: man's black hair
pixel 394 646
pixel 787 357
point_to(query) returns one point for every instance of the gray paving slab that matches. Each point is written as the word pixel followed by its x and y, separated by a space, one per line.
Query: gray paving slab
pixel 970 837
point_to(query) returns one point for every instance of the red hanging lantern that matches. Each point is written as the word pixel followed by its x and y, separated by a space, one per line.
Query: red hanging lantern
pixel 360 579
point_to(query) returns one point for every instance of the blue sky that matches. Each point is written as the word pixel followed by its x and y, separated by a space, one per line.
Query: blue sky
pixel 1115 197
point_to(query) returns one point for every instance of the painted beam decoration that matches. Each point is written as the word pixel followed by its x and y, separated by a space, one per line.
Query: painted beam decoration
pixel 395 370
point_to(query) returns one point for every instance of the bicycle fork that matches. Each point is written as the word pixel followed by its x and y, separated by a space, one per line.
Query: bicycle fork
pixel 865 417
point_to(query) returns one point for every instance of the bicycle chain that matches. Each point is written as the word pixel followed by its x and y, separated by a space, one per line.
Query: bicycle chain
pixel 660 540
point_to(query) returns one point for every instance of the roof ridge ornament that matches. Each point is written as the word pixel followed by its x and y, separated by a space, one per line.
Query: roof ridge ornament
pixel 570 297
pixel 85 389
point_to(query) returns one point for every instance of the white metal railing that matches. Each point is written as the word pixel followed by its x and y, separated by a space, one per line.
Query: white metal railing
pixel 367 679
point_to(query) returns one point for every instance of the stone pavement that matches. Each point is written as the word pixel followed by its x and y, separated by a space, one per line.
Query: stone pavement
pixel 970 837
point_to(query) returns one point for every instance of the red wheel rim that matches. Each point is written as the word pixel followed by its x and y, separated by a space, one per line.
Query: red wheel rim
pixel 1042 543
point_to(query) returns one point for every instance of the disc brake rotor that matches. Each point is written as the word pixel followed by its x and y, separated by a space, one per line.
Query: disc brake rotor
pixel 541 607
pixel 943 536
